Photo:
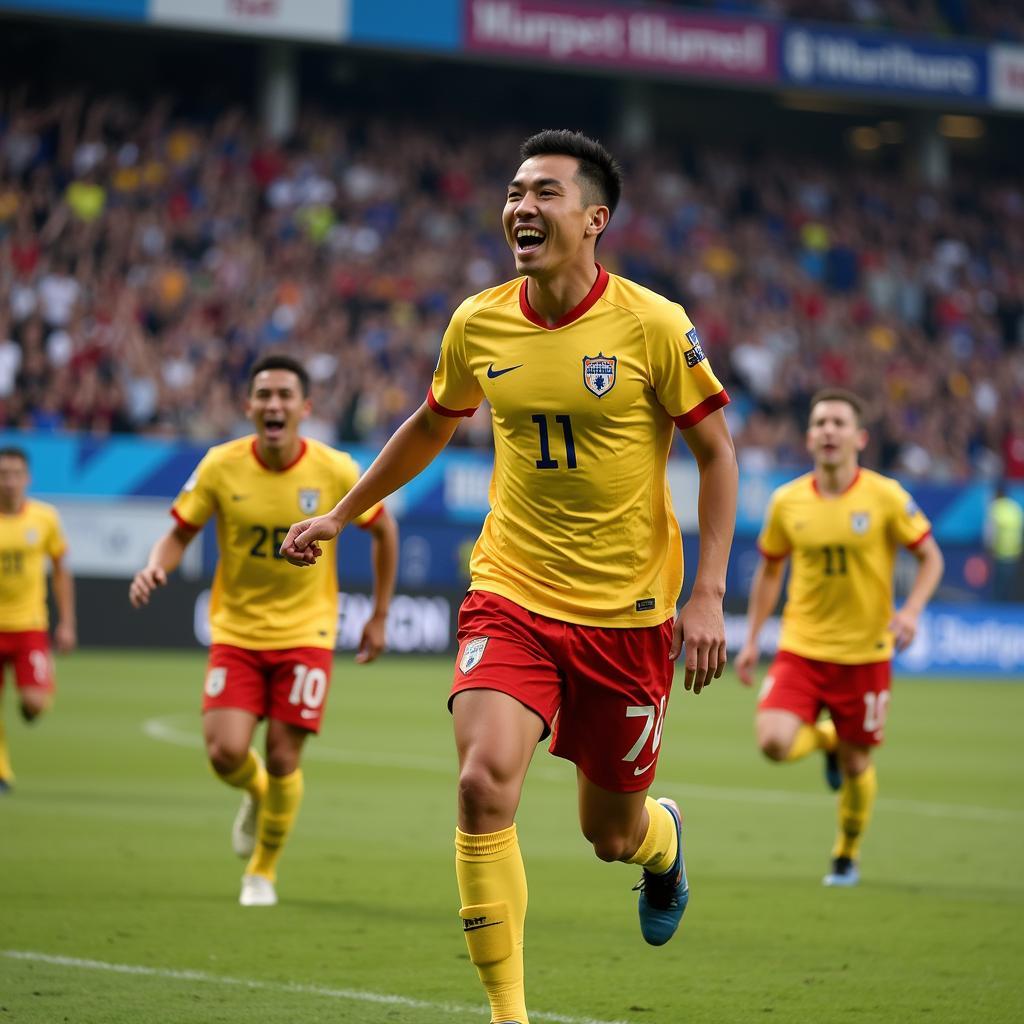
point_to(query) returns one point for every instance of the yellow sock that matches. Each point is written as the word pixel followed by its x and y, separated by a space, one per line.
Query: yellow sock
pixel 6 771
pixel 856 801
pixel 658 851
pixel 809 738
pixel 251 776
pixel 492 887
pixel 278 810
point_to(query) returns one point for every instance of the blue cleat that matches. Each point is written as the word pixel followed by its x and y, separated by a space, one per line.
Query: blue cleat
pixel 833 776
pixel 663 897
pixel 844 874
pixel 5 786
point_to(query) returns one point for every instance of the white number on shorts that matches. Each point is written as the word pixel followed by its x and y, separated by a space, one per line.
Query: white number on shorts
pixel 876 707
pixel 655 720
pixel 216 680
pixel 40 662
pixel 309 687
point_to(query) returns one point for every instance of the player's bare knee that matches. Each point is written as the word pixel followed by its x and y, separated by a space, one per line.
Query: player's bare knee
pixel 483 793
pixel 224 756
pixel 282 762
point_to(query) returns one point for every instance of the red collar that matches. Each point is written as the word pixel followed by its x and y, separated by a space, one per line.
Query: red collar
pixel 256 455
pixel 814 484
pixel 596 291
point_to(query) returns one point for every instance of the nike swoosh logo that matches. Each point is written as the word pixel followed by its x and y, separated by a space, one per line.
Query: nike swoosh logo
pixel 477 927
pixel 492 372
pixel 640 771
pixel 238 497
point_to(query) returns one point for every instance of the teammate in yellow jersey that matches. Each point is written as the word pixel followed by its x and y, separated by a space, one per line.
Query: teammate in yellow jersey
pixel 570 626
pixel 30 536
pixel 840 526
pixel 273 630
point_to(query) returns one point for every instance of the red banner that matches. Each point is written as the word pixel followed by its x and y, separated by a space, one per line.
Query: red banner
pixel 624 37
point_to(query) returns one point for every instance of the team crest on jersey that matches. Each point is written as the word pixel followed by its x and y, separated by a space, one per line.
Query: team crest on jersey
pixel 599 374
pixel 472 654
pixel 860 521
pixel 31 535
pixel 309 500
pixel 694 354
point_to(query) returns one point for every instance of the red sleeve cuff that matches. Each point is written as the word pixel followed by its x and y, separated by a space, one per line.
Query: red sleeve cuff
pixel 442 411
pixel 183 522
pixel 920 540
pixel 697 413
pixel 767 554
pixel 369 522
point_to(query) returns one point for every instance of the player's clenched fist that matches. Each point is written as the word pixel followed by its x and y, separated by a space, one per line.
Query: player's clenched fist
pixel 144 583
pixel 301 546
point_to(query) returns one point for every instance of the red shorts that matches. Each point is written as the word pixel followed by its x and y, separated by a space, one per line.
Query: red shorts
pixel 289 686
pixel 601 692
pixel 856 696
pixel 29 653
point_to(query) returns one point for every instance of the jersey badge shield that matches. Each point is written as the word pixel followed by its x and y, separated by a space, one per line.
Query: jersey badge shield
pixel 309 500
pixel 860 521
pixel 599 374
pixel 472 653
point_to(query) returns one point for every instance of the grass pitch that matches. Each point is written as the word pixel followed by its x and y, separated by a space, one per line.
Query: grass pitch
pixel 118 888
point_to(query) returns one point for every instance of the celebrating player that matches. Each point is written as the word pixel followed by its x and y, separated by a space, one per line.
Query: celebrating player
pixel 568 626
pixel 840 525
pixel 273 630
pixel 30 533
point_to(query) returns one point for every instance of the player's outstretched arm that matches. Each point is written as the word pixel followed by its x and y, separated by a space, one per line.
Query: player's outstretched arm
pixel 700 626
pixel 412 448
pixel 384 556
pixel 930 566
pixel 163 559
pixel 764 596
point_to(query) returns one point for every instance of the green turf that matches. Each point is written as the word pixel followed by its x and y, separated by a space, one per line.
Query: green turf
pixel 114 848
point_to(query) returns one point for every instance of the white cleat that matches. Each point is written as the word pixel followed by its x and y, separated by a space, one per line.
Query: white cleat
pixel 257 891
pixel 243 832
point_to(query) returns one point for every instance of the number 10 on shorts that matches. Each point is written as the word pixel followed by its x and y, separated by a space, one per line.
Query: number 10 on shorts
pixel 309 686
pixel 654 717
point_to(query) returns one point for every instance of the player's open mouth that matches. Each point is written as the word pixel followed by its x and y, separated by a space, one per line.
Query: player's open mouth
pixel 273 428
pixel 528 239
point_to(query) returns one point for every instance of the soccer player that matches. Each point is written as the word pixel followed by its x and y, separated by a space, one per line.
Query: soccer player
pixel 30 535
pixel 840 526
pixel 273 629
pixel 570 626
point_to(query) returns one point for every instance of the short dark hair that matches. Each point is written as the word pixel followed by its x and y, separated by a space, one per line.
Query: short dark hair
pixel 279 361
pixel 840 395
pixel 14 453
pixel 600 172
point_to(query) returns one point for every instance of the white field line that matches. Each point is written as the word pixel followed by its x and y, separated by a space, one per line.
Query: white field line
pixel 162 729
pixel 288 988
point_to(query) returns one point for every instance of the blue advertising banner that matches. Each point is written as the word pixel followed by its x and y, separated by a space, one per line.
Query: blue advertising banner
pixel 836 59
pixel 407 23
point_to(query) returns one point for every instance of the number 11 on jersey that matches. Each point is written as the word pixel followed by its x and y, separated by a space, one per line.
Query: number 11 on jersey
pixel 545 461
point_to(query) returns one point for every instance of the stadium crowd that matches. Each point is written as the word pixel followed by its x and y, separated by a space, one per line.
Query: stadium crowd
pixel 146 260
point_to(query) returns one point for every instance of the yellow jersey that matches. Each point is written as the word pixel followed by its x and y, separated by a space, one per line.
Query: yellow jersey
pixel 258 600
pixel 27 539
pixel 581 525
pixel 839 599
